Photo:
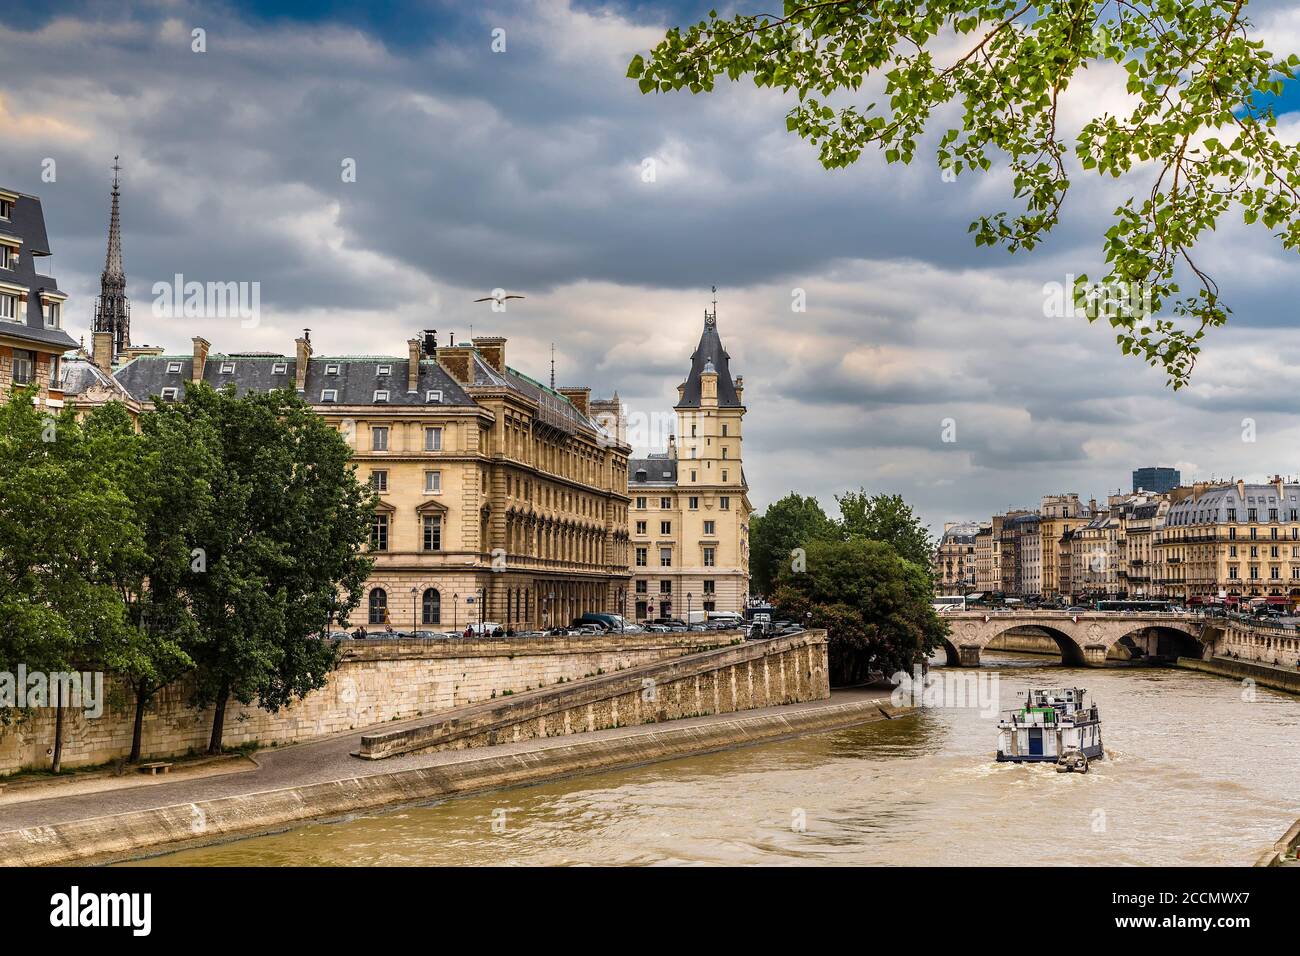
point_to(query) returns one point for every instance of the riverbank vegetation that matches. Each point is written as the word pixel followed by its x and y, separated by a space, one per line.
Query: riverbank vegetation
pixel 216 539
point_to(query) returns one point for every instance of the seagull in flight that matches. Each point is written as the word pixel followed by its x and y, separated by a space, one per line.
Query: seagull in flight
pixel 498 297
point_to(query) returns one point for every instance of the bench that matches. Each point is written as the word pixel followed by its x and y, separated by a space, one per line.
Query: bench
pixel 156 767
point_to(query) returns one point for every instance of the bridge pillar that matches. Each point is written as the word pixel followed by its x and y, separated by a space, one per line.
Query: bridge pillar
pixel 1094 655
pixel 969 655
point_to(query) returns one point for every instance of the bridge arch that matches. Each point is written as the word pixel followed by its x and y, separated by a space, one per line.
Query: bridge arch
pixel 1155 640
pixel 1072 654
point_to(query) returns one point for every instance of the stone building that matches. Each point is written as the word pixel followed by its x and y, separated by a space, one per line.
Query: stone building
pixel 1231 541
pixel 1058 516
pixel 32 339
pixel 955 560
pixel 689 516
pixel 499 499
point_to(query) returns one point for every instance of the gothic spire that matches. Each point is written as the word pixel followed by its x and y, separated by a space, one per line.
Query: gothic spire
pixel 112 308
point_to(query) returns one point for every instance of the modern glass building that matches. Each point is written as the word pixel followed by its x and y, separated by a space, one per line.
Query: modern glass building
pixel 1159 480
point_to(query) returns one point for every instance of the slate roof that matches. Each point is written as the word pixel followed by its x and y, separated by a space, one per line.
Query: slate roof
pixel 659 470
pixel 1213 504
pixel 555 408
pixel 710 352
pixel 356 379
pixel 28 224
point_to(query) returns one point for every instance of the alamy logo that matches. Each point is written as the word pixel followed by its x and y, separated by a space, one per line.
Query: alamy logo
pixel 213 300
pixel 74 908
pixel 79 691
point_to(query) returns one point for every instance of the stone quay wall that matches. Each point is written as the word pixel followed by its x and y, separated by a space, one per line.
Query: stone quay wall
pixel 1263 643
pixel 376 681
pixel 782 670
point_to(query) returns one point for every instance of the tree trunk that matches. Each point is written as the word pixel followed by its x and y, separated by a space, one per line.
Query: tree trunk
pixel 141 699
pixel 219 721
pixel 56 765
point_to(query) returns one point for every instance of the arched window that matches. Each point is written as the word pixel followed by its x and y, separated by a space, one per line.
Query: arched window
pixel 378 606
pixel 431 612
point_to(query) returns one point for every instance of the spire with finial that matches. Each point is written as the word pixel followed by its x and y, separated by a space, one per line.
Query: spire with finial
pixel 711 318
pixel 112 308
pixel 552 366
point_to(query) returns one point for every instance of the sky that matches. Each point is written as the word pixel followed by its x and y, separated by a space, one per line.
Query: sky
pixel 525 169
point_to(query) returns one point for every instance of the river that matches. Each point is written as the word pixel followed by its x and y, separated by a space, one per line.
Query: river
pixel 1193 774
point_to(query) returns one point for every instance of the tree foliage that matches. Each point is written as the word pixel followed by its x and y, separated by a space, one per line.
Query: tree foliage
pixel 793 522
pixel 1199 129
pixel 886 518
pixel 874 605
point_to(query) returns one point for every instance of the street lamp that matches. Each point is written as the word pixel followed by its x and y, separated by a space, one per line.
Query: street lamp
pixel 415 615
pixel 689 595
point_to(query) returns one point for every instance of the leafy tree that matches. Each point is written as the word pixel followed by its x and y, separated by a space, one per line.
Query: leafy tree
pixel 63 523
pixel 1200 134
pixel 886 518
pixel 167 471
pixel 282 549
pixel 793 522
pixel 874 605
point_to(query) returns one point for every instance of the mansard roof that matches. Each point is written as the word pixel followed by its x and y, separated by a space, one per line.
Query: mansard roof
pixel 657 470
pixel 28 225
pixel 710 352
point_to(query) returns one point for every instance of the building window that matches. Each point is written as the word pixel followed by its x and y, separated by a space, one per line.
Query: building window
pixel 279 368
pixel 384 370
pixel 379 481
pixel 433 439
pixel 433 482
pixel 8 307
pixel 329 396
pixel 53 315
pixel 693 474
pixel 724 430
pixel 640 503
pixel 709 560
pixel 378 606
pixel 641 586
pixel 665 527
pixel 169 394
pixel 379 438
pixel 724 474
pixel 708 528
pixel 640 527
pixel 641 557
pixel 665 504
pixel 8 257
pixel 379 533
pixel 173 368
pixel 433 396
pixel 432 533
pixel 381 395
pixel 709 586
pixel 665 557
pixel 724 503
pixel 6 208
pixel 331 369
pixel 24 366
pixel 227 368
pixel 693 503
pixel 431 607
pixel 665 587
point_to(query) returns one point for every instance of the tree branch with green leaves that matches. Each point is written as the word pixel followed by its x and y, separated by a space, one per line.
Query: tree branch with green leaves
pixel 1199 141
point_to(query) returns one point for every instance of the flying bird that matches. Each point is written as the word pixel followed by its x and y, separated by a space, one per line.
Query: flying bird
pixel 498 296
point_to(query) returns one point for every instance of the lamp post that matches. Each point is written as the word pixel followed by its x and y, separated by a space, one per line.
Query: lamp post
pixel 415 611
pixel 689 595
pixel 455 611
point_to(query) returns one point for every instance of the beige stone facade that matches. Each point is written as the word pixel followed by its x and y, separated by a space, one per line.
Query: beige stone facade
pixel 689 506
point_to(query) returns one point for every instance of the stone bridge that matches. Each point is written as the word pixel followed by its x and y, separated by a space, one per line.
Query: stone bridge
pixel 1085 637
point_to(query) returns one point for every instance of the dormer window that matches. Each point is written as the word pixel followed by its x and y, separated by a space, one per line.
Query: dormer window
pixel 169 394
pixel 8 257
pixel 384 370
pixel 173 368
pixel 227 368
pixel 329 395
pixel 6 208
pixel 331 369
pixel 433 396
pixel 381 395
pixel 279 368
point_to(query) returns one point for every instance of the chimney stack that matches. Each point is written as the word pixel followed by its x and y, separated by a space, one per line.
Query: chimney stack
pixel 303 359
pixel 102 350
pixel 201 346
pixel 413 349
pixel 579 398
pixel 493 350
pixel 672 447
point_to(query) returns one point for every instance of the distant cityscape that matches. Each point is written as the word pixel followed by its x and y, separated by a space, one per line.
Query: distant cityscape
pixel 1209 542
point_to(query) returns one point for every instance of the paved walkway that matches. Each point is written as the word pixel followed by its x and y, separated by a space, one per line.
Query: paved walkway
pixel 330 759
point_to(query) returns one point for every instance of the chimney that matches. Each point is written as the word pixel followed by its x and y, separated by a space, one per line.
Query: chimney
pixel 201 346
pixel 102 350
pixel 493 350
pixel 740 388
pixel 609 413
pixel 303 359
pixel 458 360
pixel 1241 489
pixel 413 349
pixel 579 398
pixel 672 447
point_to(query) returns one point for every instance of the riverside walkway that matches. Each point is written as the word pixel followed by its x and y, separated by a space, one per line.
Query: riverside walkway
pixel 57 828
